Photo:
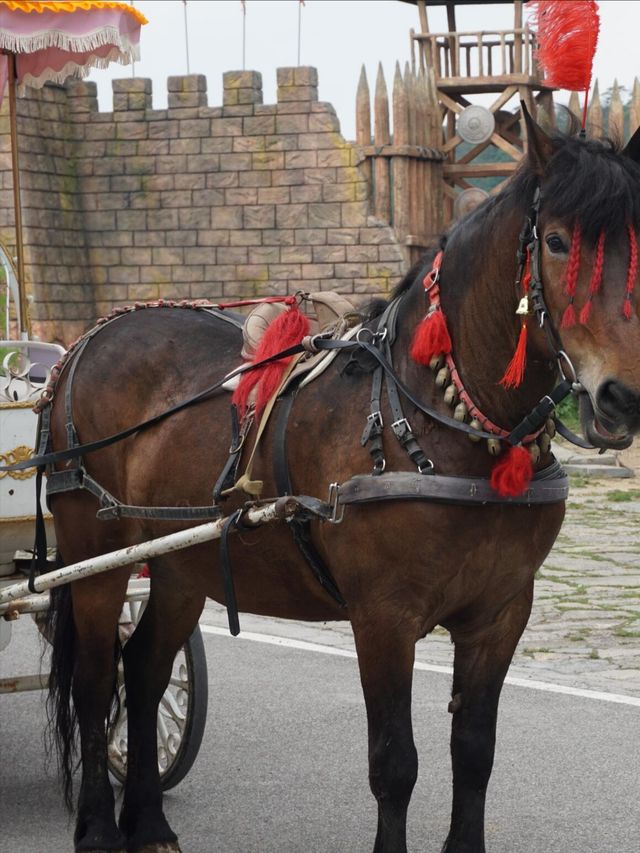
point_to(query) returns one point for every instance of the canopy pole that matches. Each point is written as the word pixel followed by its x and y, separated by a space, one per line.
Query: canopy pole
pixel 25 323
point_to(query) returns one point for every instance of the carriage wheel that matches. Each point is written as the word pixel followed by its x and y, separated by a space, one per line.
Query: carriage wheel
pixel 182 713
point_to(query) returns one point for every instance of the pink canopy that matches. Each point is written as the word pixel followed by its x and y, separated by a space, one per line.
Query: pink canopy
pixel 53 41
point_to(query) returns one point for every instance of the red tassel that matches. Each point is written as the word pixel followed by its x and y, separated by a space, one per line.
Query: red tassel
pixel 586 311
pixel 288 329
pixel 567 36
pixel 431 338
pixel 514 374
pixel 512 474
pixel 632 272
pixel 569 317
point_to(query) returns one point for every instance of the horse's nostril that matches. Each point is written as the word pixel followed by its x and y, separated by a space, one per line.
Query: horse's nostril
pixel 618 402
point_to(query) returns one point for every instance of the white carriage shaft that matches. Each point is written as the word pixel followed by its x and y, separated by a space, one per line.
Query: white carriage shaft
pixel 273 511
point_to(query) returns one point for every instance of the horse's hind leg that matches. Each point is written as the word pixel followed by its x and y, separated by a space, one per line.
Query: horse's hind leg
pixel 385 657
pixel 482 659
pixel 97 603
pixel 167 622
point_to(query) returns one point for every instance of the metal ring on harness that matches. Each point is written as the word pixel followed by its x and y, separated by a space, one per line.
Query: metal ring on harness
pixel 576 384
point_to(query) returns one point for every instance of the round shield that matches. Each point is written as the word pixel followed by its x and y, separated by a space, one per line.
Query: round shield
pixel 467 200
pixel 476 124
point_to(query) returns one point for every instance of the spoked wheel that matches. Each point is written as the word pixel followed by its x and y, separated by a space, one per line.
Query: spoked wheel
pixel 182 712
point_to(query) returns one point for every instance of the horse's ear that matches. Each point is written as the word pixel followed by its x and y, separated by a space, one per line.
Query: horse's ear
pixel 540 146
pixel 632 148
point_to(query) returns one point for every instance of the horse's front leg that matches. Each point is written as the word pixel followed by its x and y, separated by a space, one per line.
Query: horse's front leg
pixel 148 657
pixel 482 658
pixel 385 656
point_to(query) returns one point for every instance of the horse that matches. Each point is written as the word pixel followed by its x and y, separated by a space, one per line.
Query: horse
pixel 564 230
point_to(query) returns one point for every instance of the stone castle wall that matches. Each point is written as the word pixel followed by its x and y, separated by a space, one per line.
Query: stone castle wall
pixel 243 200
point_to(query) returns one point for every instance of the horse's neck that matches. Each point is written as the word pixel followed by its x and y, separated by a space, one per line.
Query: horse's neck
pixel 479 300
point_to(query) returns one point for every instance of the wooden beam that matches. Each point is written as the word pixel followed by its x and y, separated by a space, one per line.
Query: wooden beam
pixel 480 170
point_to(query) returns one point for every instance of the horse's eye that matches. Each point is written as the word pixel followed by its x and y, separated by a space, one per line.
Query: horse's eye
pixel 556 245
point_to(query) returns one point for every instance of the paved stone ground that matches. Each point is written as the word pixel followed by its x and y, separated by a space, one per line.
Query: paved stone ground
pixel 585 627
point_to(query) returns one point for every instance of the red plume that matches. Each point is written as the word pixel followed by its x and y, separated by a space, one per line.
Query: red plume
pixel 288 329
pixel 567 33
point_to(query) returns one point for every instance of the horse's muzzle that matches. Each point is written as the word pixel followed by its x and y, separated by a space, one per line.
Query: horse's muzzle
pixel 614 418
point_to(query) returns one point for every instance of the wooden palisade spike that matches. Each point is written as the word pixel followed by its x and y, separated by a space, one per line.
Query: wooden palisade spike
pixel 634 108
pixel 382 136
pixel 574 105
pixel 616 114
pixel 594 113
pixel 363 110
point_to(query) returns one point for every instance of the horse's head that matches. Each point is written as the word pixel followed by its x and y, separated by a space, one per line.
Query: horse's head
pixel 588 254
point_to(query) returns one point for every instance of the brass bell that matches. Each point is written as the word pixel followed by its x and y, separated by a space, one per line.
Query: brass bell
pixel 460 412
pixel 550 427
pixel 451 395
pixel 475 423
pixel 443 377
pixel 436 362
pixel 534 452
pixel 544 442
pixel 494 446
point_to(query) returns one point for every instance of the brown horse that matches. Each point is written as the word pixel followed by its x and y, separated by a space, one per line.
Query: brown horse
pixel 403 566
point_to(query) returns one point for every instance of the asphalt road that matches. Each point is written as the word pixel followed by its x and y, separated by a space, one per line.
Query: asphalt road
pixel 283 765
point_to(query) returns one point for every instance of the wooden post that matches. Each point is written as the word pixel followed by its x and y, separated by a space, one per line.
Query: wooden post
pixel 382 136
pixel 412 164
pixel 634 108
pixel 574 105
pixel 400 165
pixel 424 27
pixel 517 37
pixel 616 115
pixel 594 113
pixel 363 119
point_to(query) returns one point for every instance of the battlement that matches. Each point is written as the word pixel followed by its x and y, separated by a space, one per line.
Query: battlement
pixel 193 201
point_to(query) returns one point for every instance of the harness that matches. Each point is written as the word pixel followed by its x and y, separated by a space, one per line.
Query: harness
pixel 376 340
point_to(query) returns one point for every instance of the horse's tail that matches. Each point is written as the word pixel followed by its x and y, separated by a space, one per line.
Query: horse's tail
pixel 63 724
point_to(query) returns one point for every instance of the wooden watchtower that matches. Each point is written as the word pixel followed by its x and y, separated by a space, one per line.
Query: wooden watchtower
pixel 481 141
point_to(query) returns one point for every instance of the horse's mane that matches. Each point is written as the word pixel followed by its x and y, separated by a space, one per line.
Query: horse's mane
pixel 589 180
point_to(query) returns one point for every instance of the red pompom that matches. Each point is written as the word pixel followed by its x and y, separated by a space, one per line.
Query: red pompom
pixel 514 374
pixel 431 338
pixel 512 474
pixel 288 329
pixel 567 33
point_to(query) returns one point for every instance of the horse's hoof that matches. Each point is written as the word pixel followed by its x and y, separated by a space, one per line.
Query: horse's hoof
pixel 164 847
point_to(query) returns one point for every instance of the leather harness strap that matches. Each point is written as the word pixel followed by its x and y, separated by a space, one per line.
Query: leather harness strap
pixel 300 527
pixel 549 486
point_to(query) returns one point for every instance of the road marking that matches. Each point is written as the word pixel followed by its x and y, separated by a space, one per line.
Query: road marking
pixel 532 684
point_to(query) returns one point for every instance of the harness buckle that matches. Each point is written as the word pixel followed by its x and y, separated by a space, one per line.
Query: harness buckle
pixel 400 428
pixel 337 509
pixel 373 427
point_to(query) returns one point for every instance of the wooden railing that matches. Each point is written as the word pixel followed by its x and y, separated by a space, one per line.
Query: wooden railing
pixel 489 53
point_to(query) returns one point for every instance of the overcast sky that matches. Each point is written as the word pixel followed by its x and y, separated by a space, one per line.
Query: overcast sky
pixel 337 37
